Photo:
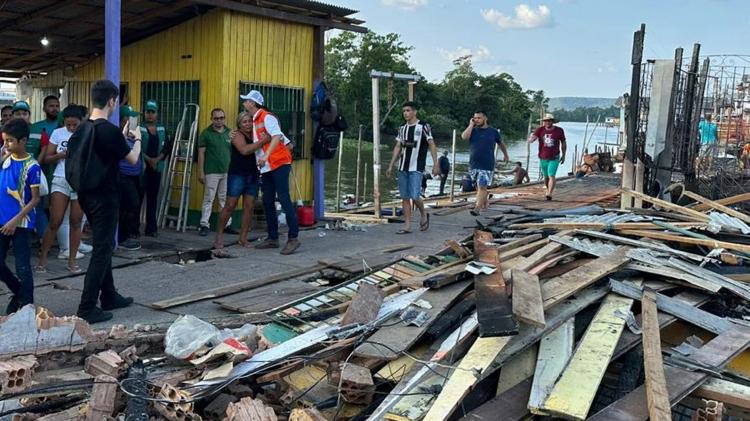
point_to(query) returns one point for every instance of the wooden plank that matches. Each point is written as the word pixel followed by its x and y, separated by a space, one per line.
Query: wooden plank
pixel 461 251
pixel 602 225
pixel 391 340
pixel 364 306
pixel 573 394
pixel 678 308
pixel 523 250
pixel 527 298
pixel 555 350
pixel 714 244
pixel 668 205
pixel 539 256
pixel 519 242
pixel 718 206
pixel 517 369
pixel 511 404
pixel 730 393
pixel 418 280
pixel 447 277
pixel 643 244
pixel 395 370
pixel 680 382
pixel 744 197
pixel 234 288
pixel 494 308
pixel 564 286
pixel 656 384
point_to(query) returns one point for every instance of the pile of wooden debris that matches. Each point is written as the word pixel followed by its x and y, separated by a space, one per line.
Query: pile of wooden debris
pixel 582 313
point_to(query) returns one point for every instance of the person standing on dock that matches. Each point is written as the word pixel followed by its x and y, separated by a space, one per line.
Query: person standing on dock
pixel 445 170
pixel 709 147
pixel 214 156
pixel 552 148
pixel 412 142
pixel 482 140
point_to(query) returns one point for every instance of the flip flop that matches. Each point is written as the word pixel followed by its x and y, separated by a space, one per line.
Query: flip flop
pixel 403 232
pixel 426 225
pixel 40 269
pixel 74 269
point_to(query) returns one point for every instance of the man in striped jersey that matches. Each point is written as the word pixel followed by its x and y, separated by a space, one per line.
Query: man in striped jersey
pixel 413 140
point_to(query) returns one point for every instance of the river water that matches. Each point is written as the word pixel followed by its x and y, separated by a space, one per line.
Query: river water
pixel 574 132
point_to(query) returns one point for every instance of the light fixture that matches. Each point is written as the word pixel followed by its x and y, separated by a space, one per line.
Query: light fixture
pixel 44 41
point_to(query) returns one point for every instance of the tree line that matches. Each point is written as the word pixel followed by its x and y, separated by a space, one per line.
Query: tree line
pixel 446 105
pixel 580 113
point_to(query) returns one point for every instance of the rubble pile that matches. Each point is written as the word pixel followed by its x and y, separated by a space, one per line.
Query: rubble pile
pixel 585 313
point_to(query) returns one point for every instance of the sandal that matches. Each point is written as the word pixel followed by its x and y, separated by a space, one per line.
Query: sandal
pixel 426 225
pixel 40 269
pixel 402 231
pixel 74 269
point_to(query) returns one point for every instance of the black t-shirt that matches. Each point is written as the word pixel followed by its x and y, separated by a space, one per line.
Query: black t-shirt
pixel 110 145
pixel 244 165
pixel 153 145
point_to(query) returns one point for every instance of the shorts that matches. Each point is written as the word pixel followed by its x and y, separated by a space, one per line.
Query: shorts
pixel 242 185
pixel 409 184
pixel 482 178
pixel 60 185
pixel 709 149
pixel 549 166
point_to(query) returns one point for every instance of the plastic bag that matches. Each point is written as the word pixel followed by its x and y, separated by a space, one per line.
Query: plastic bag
pixel 190 336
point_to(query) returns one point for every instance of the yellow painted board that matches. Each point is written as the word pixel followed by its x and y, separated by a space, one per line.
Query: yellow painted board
pixel 395 370
pixel 478 359
pixel 518 368
pixel 573 394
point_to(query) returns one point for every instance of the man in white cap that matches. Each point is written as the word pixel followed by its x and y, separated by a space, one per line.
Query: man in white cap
pixel 275 162
pixel 552 150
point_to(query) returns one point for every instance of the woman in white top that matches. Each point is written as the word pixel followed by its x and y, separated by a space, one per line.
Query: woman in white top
pixel 61 192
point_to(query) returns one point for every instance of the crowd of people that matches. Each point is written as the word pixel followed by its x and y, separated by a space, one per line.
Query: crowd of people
pixel 123 172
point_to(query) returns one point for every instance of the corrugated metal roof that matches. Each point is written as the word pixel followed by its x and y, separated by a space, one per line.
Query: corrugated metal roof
pixel 319 6
pixel 607 218
pixel 729 221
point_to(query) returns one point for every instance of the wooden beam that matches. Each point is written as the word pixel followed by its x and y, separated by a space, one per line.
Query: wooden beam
pixel 573 394
pixel 494 308
pixel 510 406
pixel 564 286
pixel 24 20
pixel 523 250
pixel 527 298
pixel 687 240
pixel 744 197
pixel 656 385
pixel 602 225
pixel 278 14
pixel 725 391
pixel 555 350
pixel 718 206
pixel 517 369
pixel 680 382
pixel 668 205
pixel 643 244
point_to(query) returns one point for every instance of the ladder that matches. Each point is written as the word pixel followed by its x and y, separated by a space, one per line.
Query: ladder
pixel 176 182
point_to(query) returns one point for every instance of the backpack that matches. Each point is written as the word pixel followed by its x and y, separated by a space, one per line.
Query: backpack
pixel 323 108
pixel 326 143
pixel 84 169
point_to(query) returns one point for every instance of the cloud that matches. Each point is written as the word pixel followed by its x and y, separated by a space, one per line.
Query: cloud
pixel 405 4
pixel 482 53
pixel 607 67
pixel 525 17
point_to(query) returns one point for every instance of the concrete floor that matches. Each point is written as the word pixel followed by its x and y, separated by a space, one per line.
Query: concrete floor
pixel 150 274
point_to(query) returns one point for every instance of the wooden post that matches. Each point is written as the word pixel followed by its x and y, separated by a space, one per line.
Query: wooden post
pixel 364 183
pixel 359 155
pixel 376 145
pixel 640 169
pixel 411 90
pixel 575 160
pixel 626 200
pixel 338 173
pixel 453 165
pixel 528 145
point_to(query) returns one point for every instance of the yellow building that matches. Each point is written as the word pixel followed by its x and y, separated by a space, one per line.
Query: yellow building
pixel 202 51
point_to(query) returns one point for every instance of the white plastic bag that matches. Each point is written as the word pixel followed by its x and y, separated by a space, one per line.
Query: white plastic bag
pixel 190 337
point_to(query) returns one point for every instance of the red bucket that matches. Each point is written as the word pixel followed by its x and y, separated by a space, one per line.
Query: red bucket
pixel 306 216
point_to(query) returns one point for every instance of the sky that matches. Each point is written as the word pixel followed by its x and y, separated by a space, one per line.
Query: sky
pixel 565 47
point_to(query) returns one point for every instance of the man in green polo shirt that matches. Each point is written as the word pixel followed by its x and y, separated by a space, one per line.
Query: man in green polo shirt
pixel 42 129
pixel 214 151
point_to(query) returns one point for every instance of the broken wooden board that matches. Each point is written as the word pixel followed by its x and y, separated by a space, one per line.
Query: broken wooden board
pixel 365 305
pixel 714 244
pixel 417 281
pixel 390 341
pixel 725 391
pixel 523 250
pixel 744 197
pixel 526 298
pixel 573 394
pixel 642 244
pixel 446 277
pixel 539 256
pixel 555 350
pixel 668 205
pixel 656 384
pixel 602 225
pixel 516 370
pixel 493 304
pixel 566 285
pixel 717 206
pixel 234 288
pixel 413 407
pixel 509 406
pixel 680 382
pixel 395 370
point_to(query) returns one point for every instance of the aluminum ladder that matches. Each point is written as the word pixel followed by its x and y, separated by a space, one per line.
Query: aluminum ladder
pixel 178 174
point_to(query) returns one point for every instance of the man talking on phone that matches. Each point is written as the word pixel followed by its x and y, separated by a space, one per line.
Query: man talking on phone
pixel 482 140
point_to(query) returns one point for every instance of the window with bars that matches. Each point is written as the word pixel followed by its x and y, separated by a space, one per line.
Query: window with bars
pixel 288 104
pixel 171 97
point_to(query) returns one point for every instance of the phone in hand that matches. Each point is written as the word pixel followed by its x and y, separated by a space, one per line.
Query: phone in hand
pixel 132 123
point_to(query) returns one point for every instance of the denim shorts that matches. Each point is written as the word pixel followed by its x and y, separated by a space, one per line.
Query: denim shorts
pixel 409 184
pixel 482 178
pixel 242 185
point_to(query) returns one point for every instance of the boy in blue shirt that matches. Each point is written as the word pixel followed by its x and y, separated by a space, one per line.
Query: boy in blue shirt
pixel 19 195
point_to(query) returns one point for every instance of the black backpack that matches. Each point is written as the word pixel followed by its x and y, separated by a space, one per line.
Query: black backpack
pixel 326 142
pixel 84 169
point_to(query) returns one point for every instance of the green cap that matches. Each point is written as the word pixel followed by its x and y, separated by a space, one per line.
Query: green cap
pixel 151 105
pixel 128 111
pixel 21 105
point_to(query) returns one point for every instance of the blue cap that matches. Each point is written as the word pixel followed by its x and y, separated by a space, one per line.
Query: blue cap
pixel 21 105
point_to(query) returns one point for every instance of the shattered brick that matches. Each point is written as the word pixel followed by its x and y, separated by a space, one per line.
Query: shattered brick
pixel 356 384
pixel 15 374
pixel 106 362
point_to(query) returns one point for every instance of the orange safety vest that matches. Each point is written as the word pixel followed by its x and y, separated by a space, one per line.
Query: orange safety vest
pixel 281 155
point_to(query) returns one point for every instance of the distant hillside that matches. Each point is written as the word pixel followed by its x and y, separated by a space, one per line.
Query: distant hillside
pixel 571 102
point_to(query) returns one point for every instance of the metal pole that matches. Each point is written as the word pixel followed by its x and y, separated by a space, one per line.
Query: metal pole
pixel 376 145
pixel 359 152
pixel 338 173
pixel 112 23
pixel 453 165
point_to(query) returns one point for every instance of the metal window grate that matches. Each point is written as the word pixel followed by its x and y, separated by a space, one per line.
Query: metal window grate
pixel 288 104
pixel 171 97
